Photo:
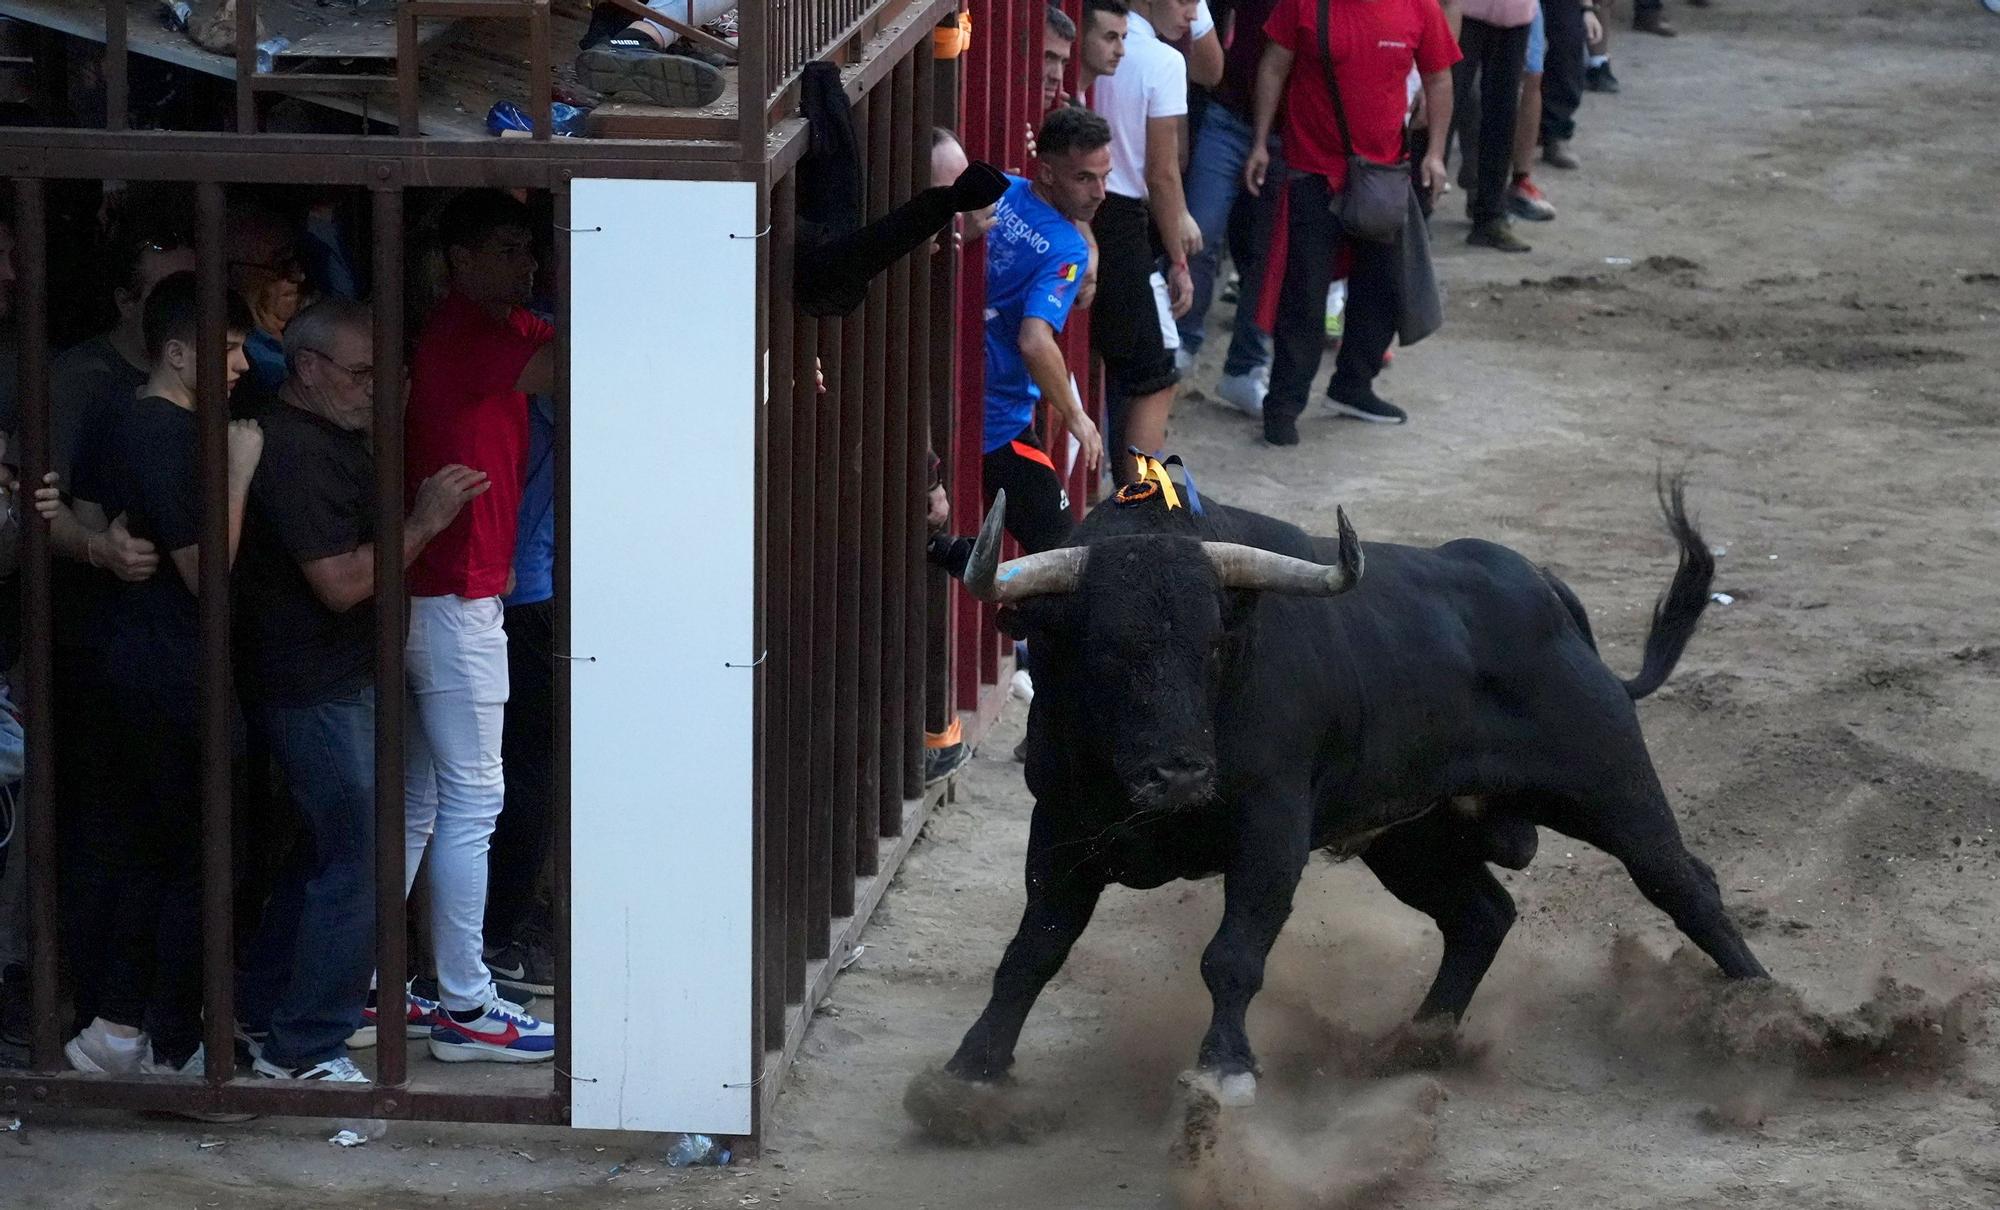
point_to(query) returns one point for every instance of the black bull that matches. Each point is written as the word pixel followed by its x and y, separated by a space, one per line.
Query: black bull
pixel 1428 717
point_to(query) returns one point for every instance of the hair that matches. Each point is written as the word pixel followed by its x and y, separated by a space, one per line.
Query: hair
pixel 1071 128
pixel 1060 25
pixel 468 219
pixel 313 329
pixel 1110 8
pixel 940 135
pixel 173 312
pixel 136 232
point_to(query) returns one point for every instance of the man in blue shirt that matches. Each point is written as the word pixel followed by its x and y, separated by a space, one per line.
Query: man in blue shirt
pixel 1036 260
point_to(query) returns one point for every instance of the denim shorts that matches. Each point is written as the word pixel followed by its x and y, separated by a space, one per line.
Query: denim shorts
pixel 1538 43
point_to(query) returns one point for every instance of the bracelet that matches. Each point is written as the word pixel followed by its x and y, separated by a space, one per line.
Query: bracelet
pixel 90 550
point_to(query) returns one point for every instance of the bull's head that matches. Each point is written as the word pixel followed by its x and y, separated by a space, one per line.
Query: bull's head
pixel 1140 625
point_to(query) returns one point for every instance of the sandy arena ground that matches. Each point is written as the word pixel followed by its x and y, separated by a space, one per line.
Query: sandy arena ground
pixel 1778 269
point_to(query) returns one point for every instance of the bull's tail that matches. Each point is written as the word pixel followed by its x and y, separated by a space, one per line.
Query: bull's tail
pixel 1679 609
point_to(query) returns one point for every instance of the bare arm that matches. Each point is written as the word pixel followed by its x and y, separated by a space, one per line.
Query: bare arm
pixel 1454 13
pixel 187 560
pixel 1044 359
pixel 1272 72
pixel 343 581
pixel 538 377
pixel 1205 60
pixel 1437 104
pixel 1163 187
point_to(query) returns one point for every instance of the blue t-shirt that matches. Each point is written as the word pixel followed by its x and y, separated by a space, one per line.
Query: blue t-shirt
pixel 1035 259
pixel 535 539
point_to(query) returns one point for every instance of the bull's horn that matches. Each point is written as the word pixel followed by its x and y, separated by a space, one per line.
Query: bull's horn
pixel 1239 566
pixel 1051 571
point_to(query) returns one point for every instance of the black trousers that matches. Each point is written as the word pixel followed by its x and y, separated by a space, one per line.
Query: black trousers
pixel 1305 260
pixel 1491 72
pixel 1562 69
pixel 525 832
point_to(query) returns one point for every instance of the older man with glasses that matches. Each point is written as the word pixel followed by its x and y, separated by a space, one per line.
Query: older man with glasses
pixel 307 626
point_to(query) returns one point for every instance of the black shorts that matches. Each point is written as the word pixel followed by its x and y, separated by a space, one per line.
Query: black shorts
pixel 1037 505
pixel 1125 319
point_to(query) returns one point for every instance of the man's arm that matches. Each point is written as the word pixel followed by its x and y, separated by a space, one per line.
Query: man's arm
pixel 343 581
pixel 1454 13
pixel 1437 107
pixel 1204 60
pixel 1044 359
pixel 246 447
pixel 1086 290
pixel 1178 232
pixel 1272 72
pixel 79 531
pixel 538 377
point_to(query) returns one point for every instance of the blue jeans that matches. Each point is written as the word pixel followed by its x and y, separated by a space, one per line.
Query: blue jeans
pixel 1214 183
pixel 306 980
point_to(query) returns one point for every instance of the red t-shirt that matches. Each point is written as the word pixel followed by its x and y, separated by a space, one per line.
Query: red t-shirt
pixel 1374 42
pixel 464 409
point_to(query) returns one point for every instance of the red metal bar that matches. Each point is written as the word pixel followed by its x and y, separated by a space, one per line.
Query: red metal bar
pixel 215 685
pixel 391 936
pixel 38 781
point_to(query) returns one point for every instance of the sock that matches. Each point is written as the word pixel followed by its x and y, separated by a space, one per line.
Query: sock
pixel 466 1017
pixel 124 1046
pixel 1598 60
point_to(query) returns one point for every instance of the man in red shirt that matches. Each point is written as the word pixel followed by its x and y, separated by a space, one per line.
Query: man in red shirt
pixel 1374 43
pixel 479 357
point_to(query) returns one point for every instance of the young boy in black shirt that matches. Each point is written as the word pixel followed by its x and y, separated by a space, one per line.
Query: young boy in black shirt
pixel 135 907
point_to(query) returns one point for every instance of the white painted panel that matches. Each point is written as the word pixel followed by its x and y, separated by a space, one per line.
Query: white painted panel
pixel 662 371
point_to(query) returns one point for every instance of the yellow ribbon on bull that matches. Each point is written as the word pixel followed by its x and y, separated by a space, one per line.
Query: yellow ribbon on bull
pixel 1152 470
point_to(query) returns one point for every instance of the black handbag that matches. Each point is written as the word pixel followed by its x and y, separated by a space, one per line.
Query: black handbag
pixel 1375 201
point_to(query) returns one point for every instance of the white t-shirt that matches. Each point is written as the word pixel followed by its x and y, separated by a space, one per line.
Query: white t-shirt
pixel 1204 21
pixel 1151 82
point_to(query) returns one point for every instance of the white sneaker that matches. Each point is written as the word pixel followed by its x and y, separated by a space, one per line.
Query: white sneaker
pixel 1244 392
pixel 1183 360
pixel 100 1051
pixel 339 1070
pixel 1022 685
pixel 195 1067
pixel 504 1032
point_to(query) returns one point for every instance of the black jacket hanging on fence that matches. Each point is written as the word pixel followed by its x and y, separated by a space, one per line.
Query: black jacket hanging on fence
pixel 836 256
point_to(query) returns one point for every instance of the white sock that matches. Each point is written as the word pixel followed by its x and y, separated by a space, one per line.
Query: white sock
pixel 1597 60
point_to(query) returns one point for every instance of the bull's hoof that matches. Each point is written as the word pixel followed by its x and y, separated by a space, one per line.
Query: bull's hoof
pixel 961 1112
pixel 1229 1090
pixel 1431 1044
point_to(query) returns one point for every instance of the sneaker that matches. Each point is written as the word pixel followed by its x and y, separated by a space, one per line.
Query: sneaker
pixel 1600 79
pixel 1233 292
pixel 940 763
pixel 638 67
pixel 1653 21
pixel 1336 310
pixel 195 1068
pixel 1244 392
pixel 1022 685
pixel 1526 201
pixel 1556 154
pixel 420 1013
pixel 99 1051
pixel 524 965
pixel 1497 234
pixel 1021 751
pixel 250 1043
pixel 1281 430
pixel 1183 360
pixel 502 1033
pixel 339 1070
pixel 1365 404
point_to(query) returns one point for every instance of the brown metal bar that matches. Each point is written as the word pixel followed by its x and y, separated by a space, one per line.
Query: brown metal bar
pixel 23 1091
pixel 38 780
pixel 763 681
pixel 215 684
pixel 933 289
pixel 778 799
pixel 905 489
pixel 847 643
pixel 391 935
pixel 806 407
pixel 409 61
pixel 323 83
pixel 117 90
pixel 823 819
pixel 560 805
pixel 754 29
pixel 541 85
pixel 877 463
pixel 246 66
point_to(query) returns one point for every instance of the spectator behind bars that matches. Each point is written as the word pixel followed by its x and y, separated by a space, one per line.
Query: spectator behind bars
pixel 479 357
pixel 306 640
pixel 266 269
pixel 132 861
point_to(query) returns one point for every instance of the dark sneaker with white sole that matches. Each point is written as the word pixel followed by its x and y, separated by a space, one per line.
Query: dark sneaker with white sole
pixel 639 68
pixel 940 763
pixel 523 967
pixel 1365 404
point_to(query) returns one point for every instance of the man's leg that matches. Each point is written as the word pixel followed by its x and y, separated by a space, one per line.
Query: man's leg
pixel 1302 257
pixel 522 838
pixel 461 703
pixel 1037 506
pixel 1466 119
pixel 1374 289
pixel 1562 69
pixel 1125 330
pixel 1249 241
pixel 1214 179
pixel 328 755
pixel 1500 98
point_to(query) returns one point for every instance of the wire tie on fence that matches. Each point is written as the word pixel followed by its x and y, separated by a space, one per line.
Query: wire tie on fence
pixel 752 664
pixel 751 1084
pixel 580 659
pixel 760 235
pixel 580 230
pixel 574 1078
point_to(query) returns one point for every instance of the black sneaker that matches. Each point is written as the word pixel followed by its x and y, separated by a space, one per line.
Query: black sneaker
pixel 1021 751
pixel 1280 430
pixel 1365 404
pixel 520 967
pixel 1497 234
pixel 940 763
pixel 638 67
pixel 1600 79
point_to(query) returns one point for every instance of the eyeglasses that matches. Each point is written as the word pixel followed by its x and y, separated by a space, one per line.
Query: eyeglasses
pixel 360 373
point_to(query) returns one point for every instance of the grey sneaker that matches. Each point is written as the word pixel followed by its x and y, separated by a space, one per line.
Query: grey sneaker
pixel 675 81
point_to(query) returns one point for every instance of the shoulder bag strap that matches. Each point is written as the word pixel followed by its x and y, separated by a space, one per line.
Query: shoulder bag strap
pixel 1332 85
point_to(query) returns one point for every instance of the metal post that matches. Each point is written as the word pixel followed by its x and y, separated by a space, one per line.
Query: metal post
pixel 215 682
pixel 246 66
pixel 408 106
pixel 779 623
pixel 754 28
pixel 117 101
pixel 806 406
pixel 826 640
pixel 559 778
pixel 916 78
pixel 391 716
pixel 38 782
pixel 540 84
